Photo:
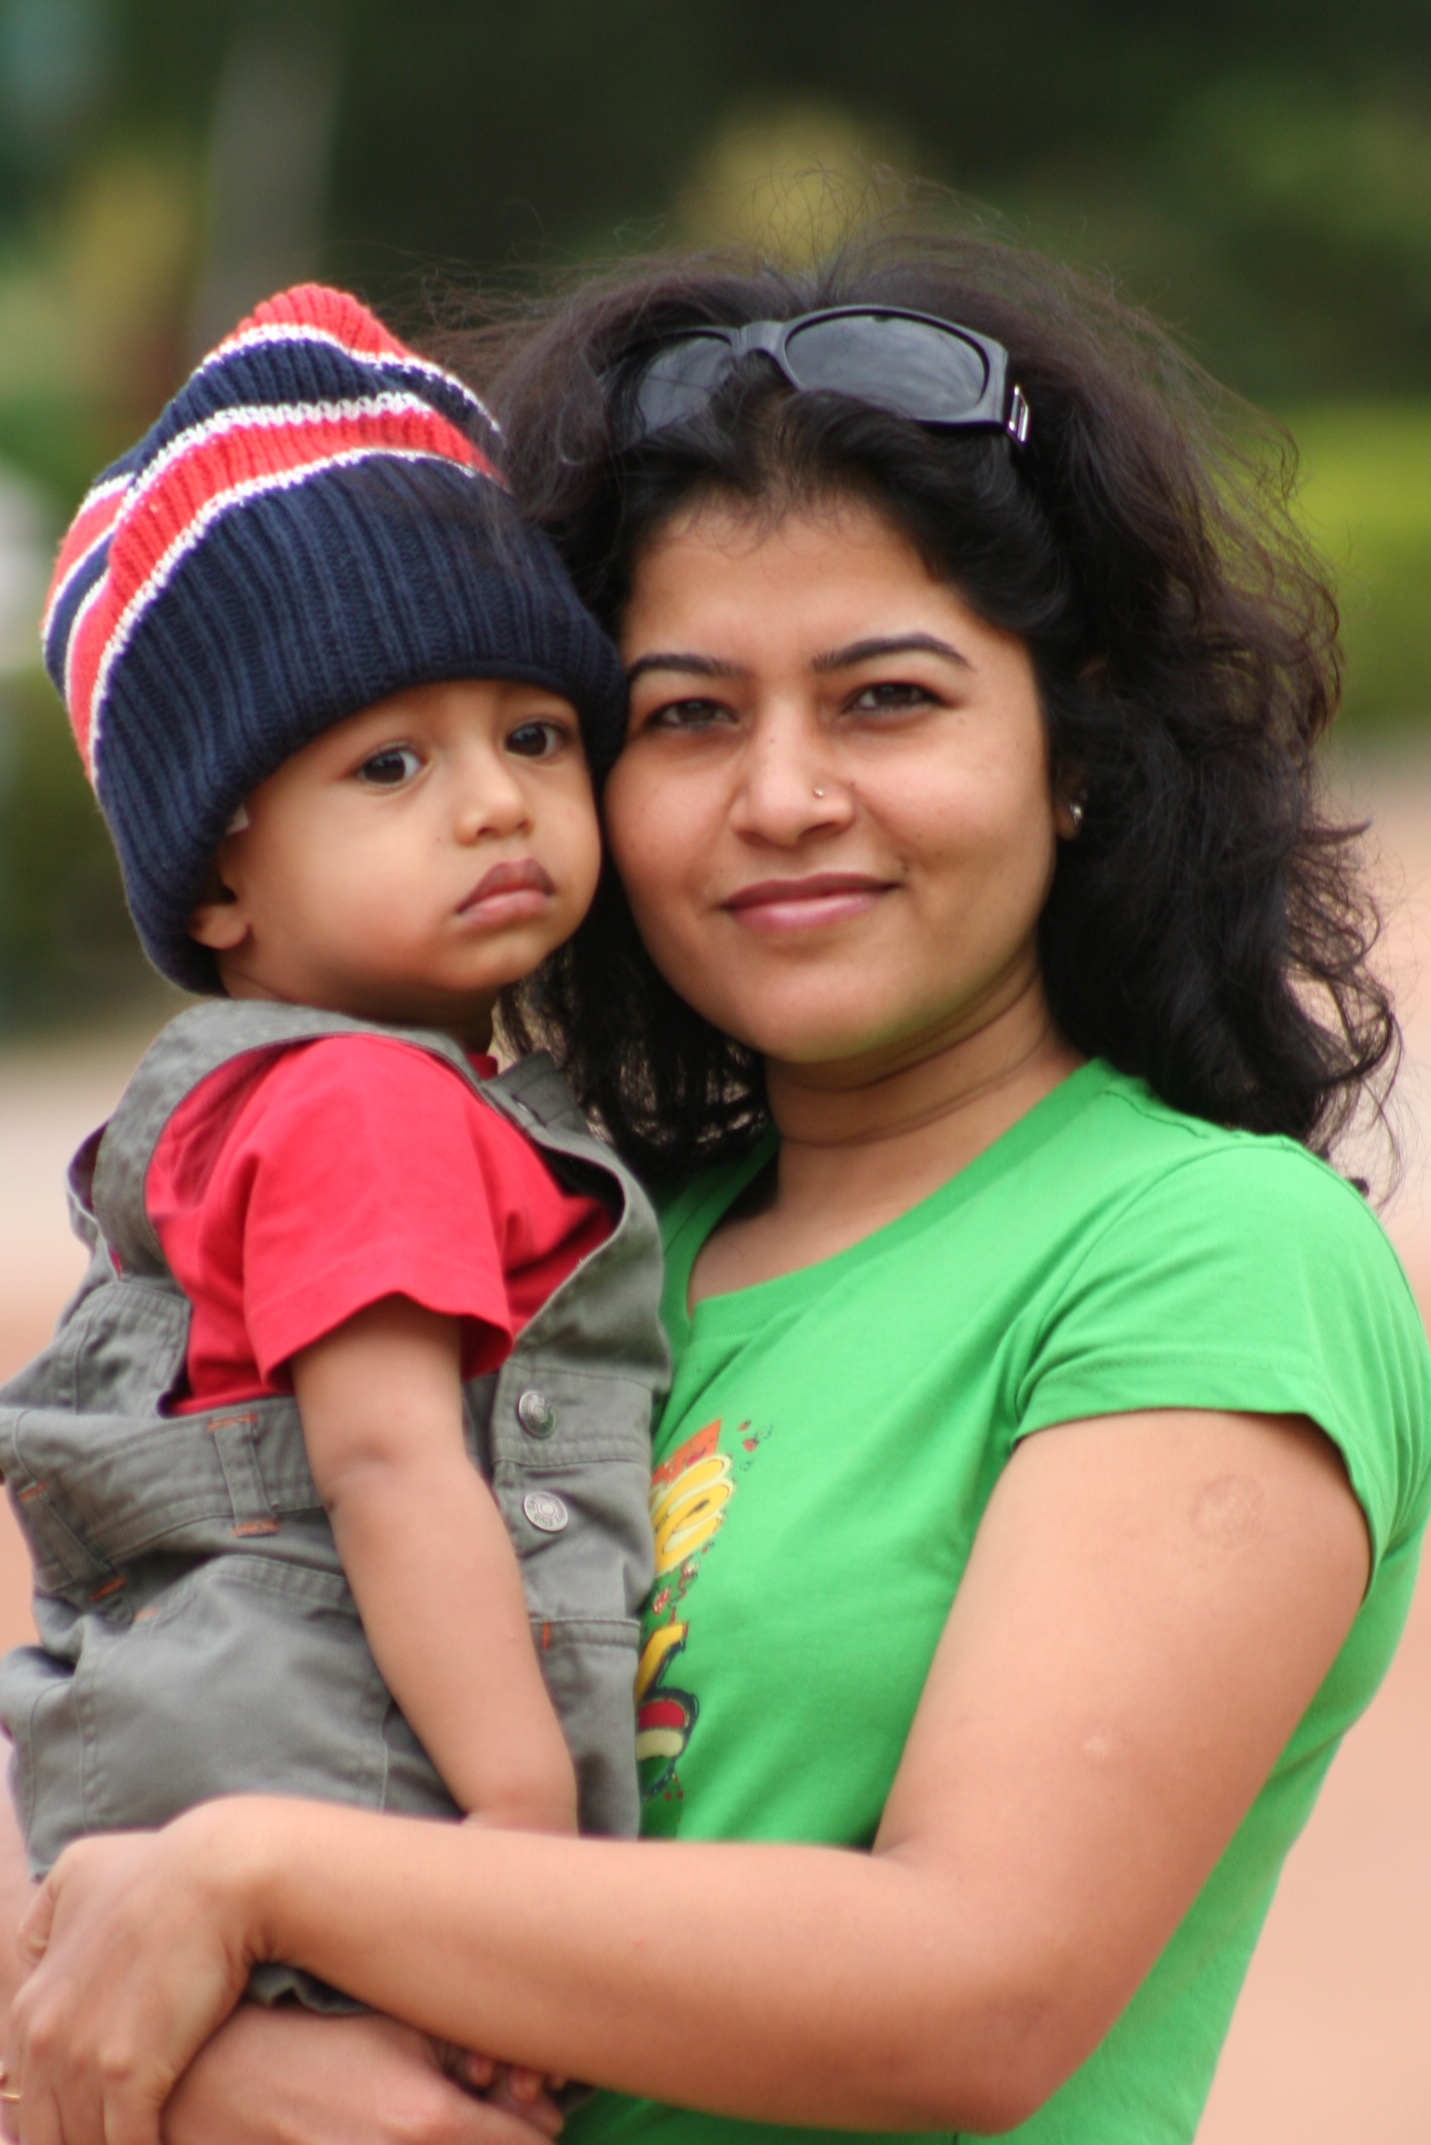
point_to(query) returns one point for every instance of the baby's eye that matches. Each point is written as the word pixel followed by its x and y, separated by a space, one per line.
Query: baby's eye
pixel 891 693
pixel 537 740
pixel 387 769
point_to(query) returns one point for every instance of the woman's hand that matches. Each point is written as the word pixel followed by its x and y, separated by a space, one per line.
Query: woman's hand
pixel 101 2033
pixel 286 2077
pixel 128 1982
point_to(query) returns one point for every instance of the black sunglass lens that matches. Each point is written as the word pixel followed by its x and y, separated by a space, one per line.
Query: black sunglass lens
pixel 679 381
pixel 907 366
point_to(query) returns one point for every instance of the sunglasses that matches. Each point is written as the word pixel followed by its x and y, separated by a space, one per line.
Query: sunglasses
pixel 911 364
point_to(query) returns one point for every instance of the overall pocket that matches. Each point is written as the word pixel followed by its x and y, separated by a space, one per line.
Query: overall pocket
pixel 590 1668
pixel 47 1764
pixel 248 1675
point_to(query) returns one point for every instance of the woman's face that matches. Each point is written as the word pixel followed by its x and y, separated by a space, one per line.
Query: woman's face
pixel 832 814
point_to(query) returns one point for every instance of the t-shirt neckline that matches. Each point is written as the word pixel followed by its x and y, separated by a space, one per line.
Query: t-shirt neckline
pixel 737 1310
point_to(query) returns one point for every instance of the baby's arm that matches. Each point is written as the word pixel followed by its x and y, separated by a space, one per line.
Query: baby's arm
pixel 429 1560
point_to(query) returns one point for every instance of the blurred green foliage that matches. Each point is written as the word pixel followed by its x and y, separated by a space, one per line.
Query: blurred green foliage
pixel 1366 500
pixel 67 947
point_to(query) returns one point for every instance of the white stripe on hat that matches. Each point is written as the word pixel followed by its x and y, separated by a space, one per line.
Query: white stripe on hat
pixel 303 332
pixel 91 498
pixel 275 415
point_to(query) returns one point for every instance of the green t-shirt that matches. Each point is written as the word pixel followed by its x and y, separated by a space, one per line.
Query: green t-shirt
pixel 831 1441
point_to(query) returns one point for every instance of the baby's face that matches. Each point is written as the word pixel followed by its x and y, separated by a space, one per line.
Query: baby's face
pixel 412 860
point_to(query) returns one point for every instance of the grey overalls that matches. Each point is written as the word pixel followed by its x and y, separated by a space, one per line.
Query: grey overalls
pixel 197 1632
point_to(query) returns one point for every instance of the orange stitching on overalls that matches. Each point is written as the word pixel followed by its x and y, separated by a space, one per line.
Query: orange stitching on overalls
pixel 243 1419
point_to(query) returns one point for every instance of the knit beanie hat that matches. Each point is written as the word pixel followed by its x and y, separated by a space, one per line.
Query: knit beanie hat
pixel 314 522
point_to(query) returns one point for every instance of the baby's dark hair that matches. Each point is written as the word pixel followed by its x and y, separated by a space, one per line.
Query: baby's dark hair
pixel 1207 930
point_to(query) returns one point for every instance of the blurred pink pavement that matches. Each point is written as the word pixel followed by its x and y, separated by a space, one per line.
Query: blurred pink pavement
pixel 1332 2040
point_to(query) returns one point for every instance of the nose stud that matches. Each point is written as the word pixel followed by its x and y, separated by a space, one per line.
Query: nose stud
pixel 819 793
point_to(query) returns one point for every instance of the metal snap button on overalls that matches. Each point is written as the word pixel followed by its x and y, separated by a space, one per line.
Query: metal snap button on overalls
pixel 545 1510
pixel 536 1414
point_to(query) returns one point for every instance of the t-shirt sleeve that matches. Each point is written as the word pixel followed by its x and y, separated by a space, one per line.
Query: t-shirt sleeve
pixel 1250 1279
pixel 366 1174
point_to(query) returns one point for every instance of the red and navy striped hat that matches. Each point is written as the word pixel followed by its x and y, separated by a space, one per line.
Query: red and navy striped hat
pixel 314 522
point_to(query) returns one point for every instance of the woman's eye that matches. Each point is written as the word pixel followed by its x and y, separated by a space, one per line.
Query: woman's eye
pixel 687 715
pixel 391 767
pixel 891 693
pixel 537 740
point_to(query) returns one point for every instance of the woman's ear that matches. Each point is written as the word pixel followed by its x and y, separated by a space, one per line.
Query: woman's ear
pixel 1068 814
pixel 1070 799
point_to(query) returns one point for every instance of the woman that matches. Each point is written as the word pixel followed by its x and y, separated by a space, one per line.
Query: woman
pixel 1039 1496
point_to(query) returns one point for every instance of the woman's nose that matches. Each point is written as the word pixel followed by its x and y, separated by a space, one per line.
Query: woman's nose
pixel 791 785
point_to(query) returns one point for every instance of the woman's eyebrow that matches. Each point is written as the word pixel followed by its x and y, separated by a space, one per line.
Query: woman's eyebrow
pixel 693 666
pixel 892 644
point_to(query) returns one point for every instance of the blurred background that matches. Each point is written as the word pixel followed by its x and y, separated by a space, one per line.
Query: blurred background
pixel 1257 171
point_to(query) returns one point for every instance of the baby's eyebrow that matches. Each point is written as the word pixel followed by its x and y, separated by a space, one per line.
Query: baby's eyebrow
pixel 691 665
pixel 891 644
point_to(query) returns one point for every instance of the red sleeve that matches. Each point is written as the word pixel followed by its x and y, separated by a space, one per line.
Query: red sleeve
pixel 365 1179
pixel 292 1192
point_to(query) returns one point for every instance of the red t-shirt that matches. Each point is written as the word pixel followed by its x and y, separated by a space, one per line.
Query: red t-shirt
pixel 293 1188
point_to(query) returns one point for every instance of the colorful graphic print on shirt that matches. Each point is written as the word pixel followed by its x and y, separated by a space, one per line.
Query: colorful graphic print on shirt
pixel 690 1491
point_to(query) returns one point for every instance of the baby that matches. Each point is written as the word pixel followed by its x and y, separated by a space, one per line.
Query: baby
pixel 341 712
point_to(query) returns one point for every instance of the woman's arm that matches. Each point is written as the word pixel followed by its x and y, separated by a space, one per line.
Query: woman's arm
pixel 1151 1604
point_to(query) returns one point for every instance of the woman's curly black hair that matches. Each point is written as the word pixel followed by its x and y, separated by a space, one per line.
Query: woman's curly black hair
pixel 1207 930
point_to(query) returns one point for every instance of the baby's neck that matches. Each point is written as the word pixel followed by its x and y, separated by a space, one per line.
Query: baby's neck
pixel 468 1022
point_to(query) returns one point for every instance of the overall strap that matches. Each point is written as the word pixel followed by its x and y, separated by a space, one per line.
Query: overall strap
pixel 198 1043
pixel 536 1096
pixel 608 1305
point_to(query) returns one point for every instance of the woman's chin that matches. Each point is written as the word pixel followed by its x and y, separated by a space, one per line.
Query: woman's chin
pixel 830 1048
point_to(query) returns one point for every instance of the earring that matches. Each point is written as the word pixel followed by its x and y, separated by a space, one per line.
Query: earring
pixel 1075 810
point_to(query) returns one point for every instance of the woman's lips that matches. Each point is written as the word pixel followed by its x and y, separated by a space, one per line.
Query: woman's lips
pixel 508 893
pixel 821 897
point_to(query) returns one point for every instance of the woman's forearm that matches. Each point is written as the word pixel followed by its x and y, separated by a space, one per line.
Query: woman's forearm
pixel 835 1987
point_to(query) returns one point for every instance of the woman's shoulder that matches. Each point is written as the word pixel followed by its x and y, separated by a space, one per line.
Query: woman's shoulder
pixel 1164 1158
pixel 1234 1269
pixel 1239 1219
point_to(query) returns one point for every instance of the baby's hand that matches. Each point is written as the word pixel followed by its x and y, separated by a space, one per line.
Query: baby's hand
pixel 513 2089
